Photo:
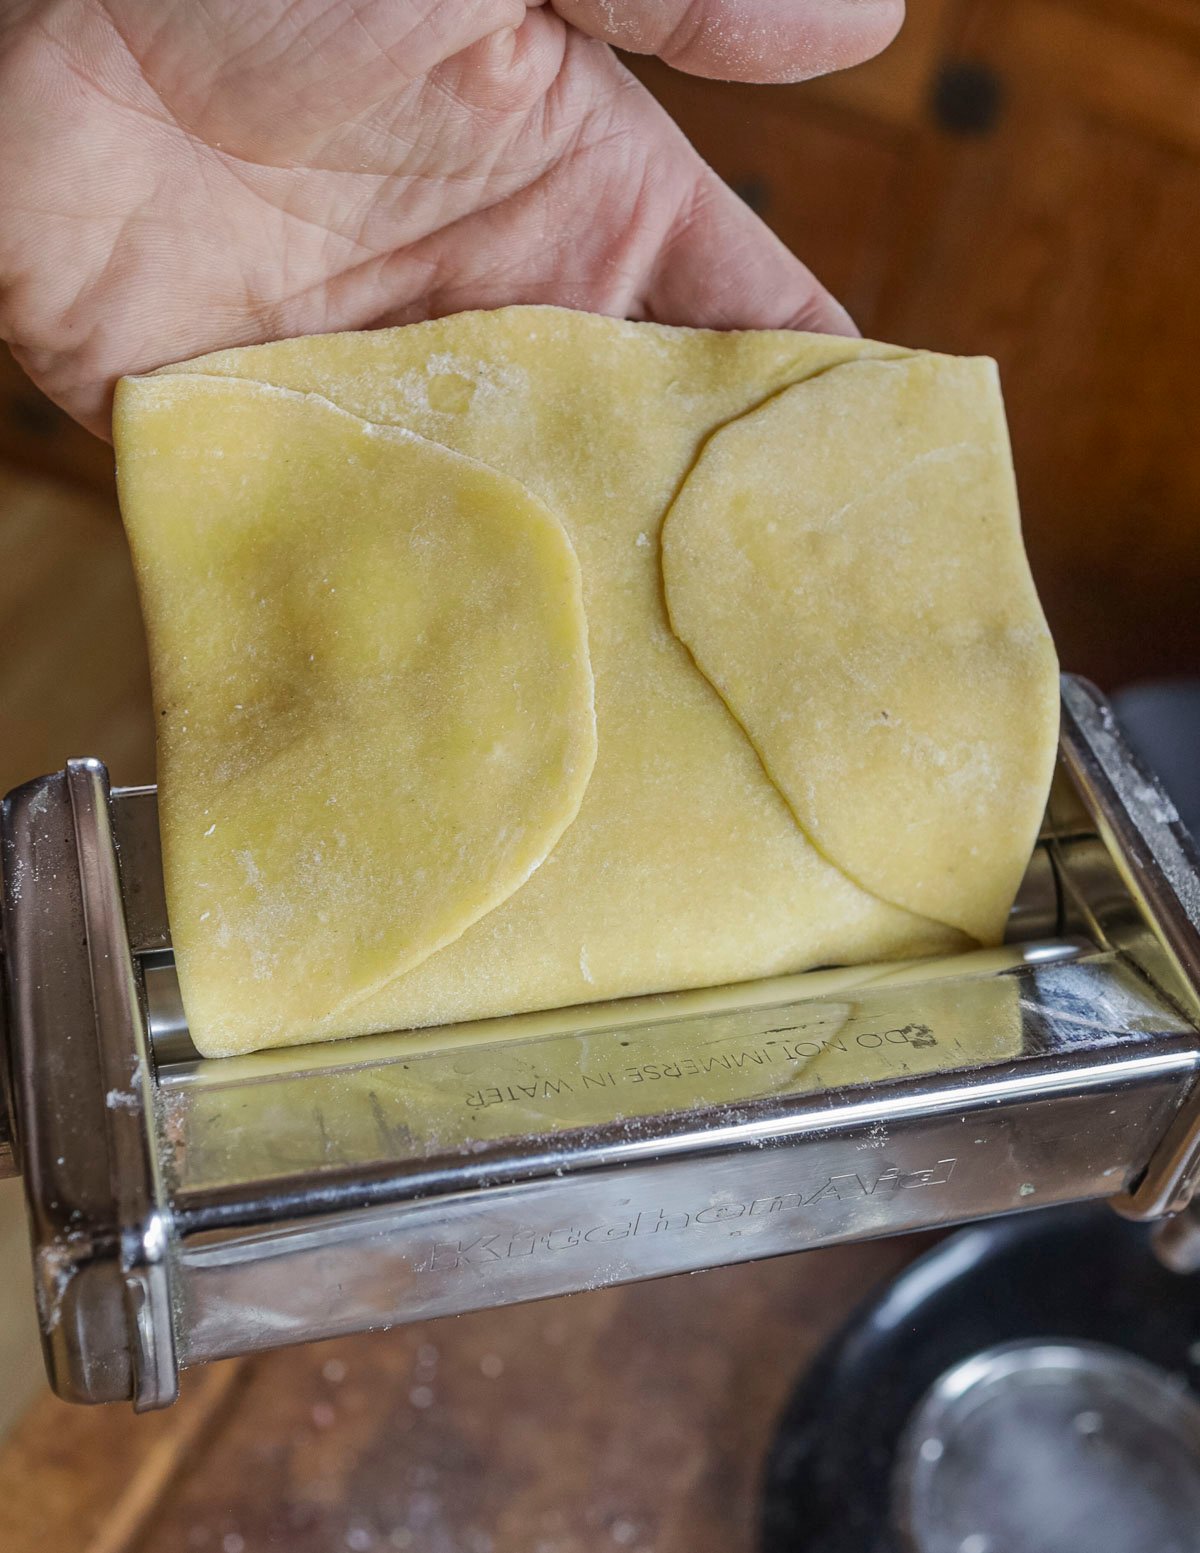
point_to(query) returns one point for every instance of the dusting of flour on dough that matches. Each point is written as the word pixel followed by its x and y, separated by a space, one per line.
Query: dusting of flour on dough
pixel 450 383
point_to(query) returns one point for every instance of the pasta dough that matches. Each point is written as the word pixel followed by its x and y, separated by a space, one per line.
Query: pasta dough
pixel 684 865
pixel 866 612
pixel 377 713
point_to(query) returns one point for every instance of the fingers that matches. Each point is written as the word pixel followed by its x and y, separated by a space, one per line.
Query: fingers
pixel 720 267
pixel 743 40
pixel 693 252
pixel 629 222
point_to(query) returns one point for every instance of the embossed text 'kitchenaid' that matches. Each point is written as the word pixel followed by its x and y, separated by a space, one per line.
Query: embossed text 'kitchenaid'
pixel 504 1245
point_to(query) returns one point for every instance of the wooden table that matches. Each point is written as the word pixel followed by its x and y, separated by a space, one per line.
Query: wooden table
pixel 633 1418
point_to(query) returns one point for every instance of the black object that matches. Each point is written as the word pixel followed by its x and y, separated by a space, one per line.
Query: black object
pixel 967 98
pixel 1075 1273
pixel 753 191
pixel 1162 722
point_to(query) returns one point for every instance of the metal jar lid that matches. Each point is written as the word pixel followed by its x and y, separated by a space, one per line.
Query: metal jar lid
pixel 1045 1446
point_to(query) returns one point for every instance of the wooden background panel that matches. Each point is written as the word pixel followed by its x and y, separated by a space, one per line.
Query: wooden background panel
pixel 893 88
pixel 796 176
pixel 74 678
pixel 1180 16
pixel 1117 62
pixel 1064 243
pixel 37 436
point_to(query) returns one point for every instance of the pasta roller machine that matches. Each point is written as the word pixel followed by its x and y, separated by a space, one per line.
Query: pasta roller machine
pixel 184 1210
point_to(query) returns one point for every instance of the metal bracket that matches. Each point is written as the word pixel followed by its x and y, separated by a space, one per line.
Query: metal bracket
pixel 127 1074
pixel 84 1098
pixel 1160 867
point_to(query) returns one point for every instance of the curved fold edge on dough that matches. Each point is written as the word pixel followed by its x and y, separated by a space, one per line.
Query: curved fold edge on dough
pixel 845 565
pixel 376 701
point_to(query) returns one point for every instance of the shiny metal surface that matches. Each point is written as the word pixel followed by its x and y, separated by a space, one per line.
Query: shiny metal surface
pixel 185 1209
pixel 10 1164
pixel 536 1226
pixel 440 1171
pixel 672 1075
pixel 135 834
pixel 1051 1447
pixel 84 1091
pixel 1139 825
pixel 1155 858
pixel 143 1214
pixel 1176 1240
pixel 59 1099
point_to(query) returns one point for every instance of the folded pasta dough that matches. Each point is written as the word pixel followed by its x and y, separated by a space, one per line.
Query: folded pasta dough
pixel 429 747
pixel 869 618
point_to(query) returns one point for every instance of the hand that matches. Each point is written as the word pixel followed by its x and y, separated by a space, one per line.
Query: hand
pixel 183 175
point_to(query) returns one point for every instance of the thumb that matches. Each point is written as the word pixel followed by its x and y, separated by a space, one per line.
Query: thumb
pixel 743 40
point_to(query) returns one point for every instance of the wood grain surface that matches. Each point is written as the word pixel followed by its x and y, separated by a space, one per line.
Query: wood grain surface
pixel 633 1418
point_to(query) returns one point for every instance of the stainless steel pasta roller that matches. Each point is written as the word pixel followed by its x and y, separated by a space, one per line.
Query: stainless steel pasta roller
pixel 184 1210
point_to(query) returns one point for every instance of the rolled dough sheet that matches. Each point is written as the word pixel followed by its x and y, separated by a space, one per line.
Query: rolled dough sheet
pixel 869 618
pixel 243 475
pixel 376 713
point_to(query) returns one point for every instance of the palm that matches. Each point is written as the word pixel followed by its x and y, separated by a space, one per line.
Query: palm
pixel 186 176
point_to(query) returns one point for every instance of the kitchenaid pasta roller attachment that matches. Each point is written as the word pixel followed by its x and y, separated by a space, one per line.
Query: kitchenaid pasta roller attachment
pixel 184 1210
